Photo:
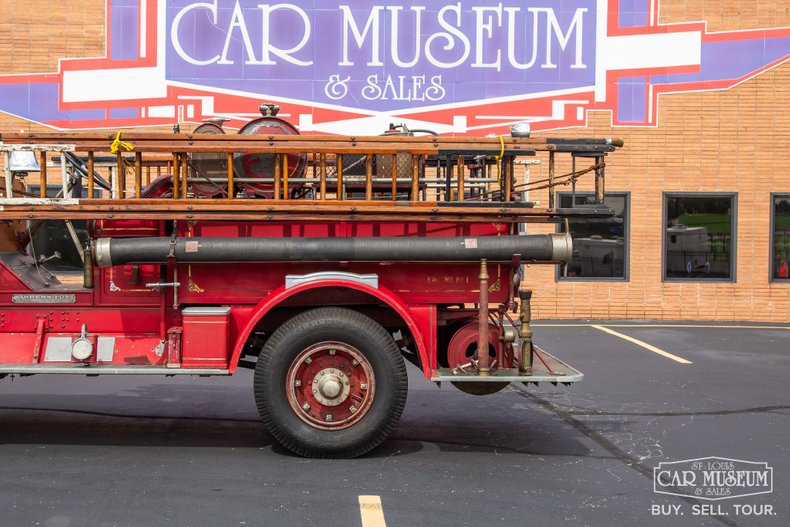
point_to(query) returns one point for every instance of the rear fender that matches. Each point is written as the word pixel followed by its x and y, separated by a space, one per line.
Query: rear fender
pixel 417 320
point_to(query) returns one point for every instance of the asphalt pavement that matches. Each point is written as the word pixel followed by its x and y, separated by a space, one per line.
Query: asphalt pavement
pixel 150 451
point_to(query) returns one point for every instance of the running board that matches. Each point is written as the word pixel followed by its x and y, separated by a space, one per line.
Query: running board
pixel 82 369
pixel 549 369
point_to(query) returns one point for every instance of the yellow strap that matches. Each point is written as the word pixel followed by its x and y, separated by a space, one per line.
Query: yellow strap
pixel 502 150
pixel 117 144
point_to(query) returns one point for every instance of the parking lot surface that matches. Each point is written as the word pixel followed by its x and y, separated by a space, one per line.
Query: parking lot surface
pixel 142 451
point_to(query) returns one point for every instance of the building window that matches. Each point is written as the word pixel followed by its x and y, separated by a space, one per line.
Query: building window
pixel 780 237
pixel 699 236
pixel 600 246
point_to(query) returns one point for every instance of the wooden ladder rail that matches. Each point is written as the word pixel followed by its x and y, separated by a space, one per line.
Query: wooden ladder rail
pixel 454 151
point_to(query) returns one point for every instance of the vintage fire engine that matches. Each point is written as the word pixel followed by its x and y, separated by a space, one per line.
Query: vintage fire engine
pixel 322 262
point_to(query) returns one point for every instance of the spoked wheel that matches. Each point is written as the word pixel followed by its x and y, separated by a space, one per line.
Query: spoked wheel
pixel 330 382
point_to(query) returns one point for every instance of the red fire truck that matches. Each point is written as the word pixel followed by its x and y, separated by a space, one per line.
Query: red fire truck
pixel 322 262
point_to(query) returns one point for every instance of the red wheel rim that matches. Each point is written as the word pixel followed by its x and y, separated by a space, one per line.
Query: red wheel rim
pixel 330 385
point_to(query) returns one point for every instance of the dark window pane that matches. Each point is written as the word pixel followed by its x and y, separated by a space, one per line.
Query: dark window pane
pixel 52 241
pixel 699 237
pixel 53 244
pixel 781 238
pixel 599 247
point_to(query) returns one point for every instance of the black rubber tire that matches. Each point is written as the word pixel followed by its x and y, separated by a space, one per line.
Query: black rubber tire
pixel 340 325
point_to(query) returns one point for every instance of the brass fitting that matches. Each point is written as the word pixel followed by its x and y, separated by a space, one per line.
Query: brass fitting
pixel 525 334
pixel 483 366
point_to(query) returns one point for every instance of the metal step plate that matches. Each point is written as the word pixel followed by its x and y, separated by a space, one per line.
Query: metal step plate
pixel 549 369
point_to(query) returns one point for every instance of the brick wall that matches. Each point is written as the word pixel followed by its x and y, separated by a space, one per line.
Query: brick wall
pixel 732 141
pixel 34 34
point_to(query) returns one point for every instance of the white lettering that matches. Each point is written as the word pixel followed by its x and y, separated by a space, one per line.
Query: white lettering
pixel 237 21
pixel 212 7
pixel 521 33
pixel 417 83
pixel 664 510
pixel 511 41
pixel 484 25
pixel 372 91
pixel 448 35
pixel 371 25
pixel 435 92
pixel 553 27
pixel 284 54
pixel 395 36
pixel 683 478
pixel 735 478
pixel 403 88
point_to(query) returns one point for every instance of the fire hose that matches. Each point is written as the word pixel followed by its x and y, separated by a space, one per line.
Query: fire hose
pixel 547 248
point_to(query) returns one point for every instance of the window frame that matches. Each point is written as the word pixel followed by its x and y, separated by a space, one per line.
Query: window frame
pixel 626 240
pixel 771 278
pixel 733 236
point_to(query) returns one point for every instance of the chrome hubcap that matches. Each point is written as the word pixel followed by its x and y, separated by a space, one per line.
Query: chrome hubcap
pixel 331 387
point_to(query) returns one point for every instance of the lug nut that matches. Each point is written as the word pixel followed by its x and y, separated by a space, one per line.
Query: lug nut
pixel 305 407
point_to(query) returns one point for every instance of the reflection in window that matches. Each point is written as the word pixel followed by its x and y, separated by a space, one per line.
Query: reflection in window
pixel 699 237
pixel 600 247
pixel 780 270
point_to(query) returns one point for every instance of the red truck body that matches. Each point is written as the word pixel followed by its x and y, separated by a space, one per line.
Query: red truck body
pixel 323 294
pixel 138 318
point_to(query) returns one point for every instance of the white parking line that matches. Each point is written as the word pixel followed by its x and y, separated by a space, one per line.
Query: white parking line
pixel 692 326
pixel 371 511
pixel 642 344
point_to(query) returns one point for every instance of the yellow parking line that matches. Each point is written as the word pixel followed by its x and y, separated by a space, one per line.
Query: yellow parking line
pixel 643 344
pixel 371 511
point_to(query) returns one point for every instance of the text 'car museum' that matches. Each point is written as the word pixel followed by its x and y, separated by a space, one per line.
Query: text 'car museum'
pixel 698 91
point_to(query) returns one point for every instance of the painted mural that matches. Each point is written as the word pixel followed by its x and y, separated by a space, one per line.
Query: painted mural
pixel 469 67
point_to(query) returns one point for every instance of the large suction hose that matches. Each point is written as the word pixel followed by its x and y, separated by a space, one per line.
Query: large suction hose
pixel 536 247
